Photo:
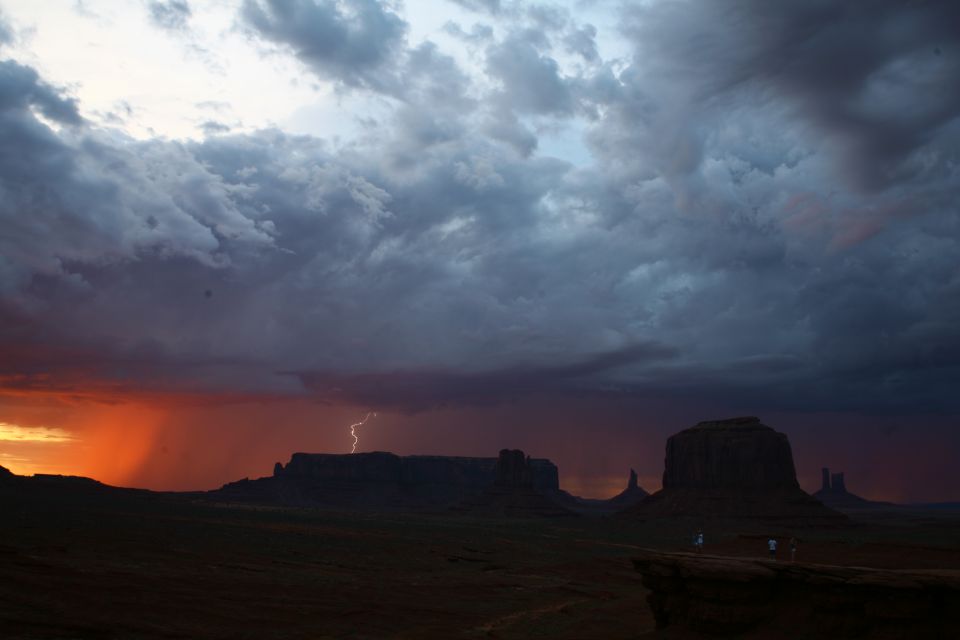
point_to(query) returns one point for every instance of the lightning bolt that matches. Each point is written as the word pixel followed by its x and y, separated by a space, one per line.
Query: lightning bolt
pixel 353 430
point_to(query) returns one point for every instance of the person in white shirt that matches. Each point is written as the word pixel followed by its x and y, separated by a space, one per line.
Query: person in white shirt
pixel 772 545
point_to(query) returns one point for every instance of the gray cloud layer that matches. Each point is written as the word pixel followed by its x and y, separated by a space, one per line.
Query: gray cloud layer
pixel 350 42
pixel 770 214
pixel 6 31
pixel 173 15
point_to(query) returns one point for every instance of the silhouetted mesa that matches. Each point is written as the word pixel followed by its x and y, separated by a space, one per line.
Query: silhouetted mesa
pixel 381 479
pixel 834 494
pixel 6 474
pixel 729 454
pixel 736 468
pixel 516 491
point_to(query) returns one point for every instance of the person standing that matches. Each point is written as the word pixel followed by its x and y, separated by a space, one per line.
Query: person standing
pixel 772 546
pixel 793 549
pixel 698 540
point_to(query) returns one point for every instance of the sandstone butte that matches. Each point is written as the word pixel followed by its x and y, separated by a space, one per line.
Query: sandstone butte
pixel 734 468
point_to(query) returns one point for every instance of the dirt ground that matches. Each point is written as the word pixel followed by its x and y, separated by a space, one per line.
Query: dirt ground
pixel 87 564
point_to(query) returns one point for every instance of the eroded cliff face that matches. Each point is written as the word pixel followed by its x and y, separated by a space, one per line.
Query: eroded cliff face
pixel 739 453
pixel 379 466
pixel 834 494
pixel 515 492
pixel 381 479
pixel 710 596
pixel 735 468
pixel 513 470
pixel 631 495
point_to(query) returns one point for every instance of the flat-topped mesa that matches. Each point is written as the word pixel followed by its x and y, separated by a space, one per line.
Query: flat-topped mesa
pixel 739 453
pixel 380 466
pixel 382 479
pixel 376 466
pixel 736 468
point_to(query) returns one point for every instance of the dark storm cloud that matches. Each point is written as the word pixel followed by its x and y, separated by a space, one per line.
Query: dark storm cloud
pixel 78 197
pixel 422 390
pixel 354 43
pixel 440 257
pixel 532 82
pixel 173 15
pixel 22 89
pixel 873 76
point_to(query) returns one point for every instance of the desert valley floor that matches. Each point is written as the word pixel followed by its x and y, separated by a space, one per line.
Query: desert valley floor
pixel 87 563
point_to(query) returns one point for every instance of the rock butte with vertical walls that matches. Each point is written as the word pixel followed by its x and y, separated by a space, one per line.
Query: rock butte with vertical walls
pixel 737 468
pixel 379 479
pixel 739 453
pixel 515 493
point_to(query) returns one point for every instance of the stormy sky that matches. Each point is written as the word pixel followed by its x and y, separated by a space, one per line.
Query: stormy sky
pixel 227 228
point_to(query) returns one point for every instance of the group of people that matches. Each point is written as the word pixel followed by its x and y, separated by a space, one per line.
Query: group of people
pixel 771 545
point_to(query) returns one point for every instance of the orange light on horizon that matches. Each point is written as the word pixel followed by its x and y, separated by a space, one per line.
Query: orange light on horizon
pixel 26 450
pixel 159 440
pixel 109 443
pixel 17 433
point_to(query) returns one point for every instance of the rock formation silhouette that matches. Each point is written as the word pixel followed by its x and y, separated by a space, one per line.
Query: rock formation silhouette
pixel 515 492
pixel 385 480
pixel 729 454
pixel 833 493
pixel 631 495
pixel 513 470
pixel 737 468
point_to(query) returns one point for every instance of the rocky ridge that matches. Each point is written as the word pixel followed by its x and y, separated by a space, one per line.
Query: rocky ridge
pixel 695 596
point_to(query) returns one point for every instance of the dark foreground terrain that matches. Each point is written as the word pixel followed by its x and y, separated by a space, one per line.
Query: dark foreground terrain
pixel 88 562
